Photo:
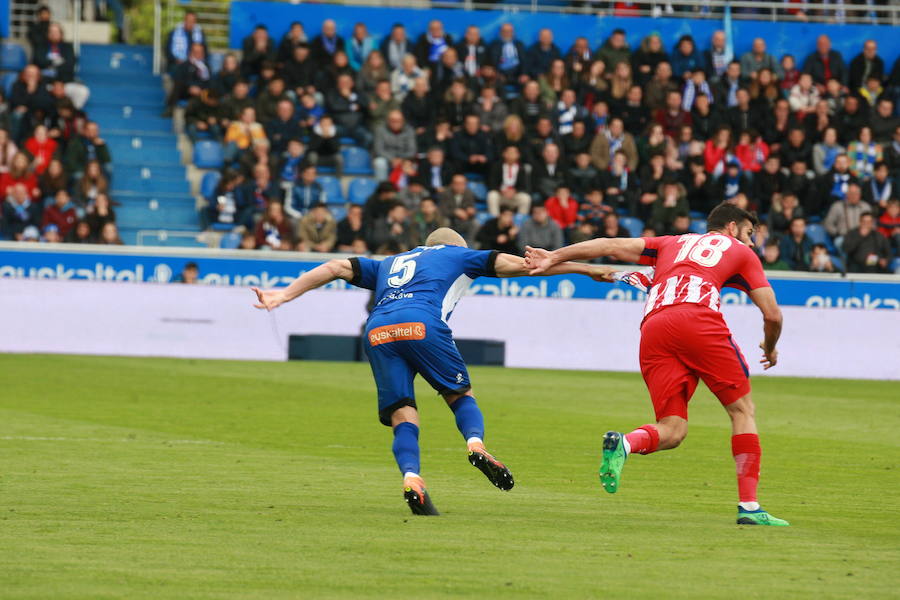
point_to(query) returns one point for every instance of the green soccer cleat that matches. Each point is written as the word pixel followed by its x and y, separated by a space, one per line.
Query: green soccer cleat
pixel 759 517
pixel 613 460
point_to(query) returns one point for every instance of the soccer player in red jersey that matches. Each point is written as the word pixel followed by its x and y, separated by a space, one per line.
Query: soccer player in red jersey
pixel 684 338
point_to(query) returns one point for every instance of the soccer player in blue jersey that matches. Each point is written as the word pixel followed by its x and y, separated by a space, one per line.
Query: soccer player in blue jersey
pixel 407 334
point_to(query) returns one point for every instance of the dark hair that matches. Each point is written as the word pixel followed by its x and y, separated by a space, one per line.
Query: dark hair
pixel 726 213
pixel 505 209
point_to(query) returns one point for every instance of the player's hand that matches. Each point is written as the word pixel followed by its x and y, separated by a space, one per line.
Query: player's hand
pixel 269 299
pixel 538 260
pixel 770 358
pixel 602 273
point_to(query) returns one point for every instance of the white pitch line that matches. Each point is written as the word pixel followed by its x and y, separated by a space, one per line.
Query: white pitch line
pixel 30 438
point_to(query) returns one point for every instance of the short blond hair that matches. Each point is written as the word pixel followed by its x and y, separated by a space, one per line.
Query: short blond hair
pixel 445 236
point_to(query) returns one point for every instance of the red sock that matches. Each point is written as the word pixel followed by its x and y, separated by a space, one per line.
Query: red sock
pixel 747 452
pixel 644 439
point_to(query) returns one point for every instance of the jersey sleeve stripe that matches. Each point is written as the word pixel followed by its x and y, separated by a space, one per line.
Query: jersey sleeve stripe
pixel 357 271
pixel 737 280
pixel 490 268
pixel 651 252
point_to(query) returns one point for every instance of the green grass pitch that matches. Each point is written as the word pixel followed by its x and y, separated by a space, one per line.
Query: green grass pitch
pixel 147 478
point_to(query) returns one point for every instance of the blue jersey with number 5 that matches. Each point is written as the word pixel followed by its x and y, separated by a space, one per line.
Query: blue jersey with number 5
pixel 432 278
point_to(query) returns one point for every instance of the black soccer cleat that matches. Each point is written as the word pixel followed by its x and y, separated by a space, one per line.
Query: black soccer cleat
pixel 493 469
pixel 417 497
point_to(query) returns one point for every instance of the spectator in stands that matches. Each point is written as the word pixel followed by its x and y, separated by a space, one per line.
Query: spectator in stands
pixel 851 118
pixel 863 153
pixel 541 54
pixel 19 212
pixel 578 141
pixel 289 165
pixel 8 150
pixel 743 115
pixel 235 103
pixel 317 230
pixel 686 59
pixel 610 141
pixel 260 153
pixel 889 223
pixel 41 149
pixel 883 122
pixel 190 274
pixel 757 59
pixel 671 202
pixel 404 77
pixel 583 177
pixel 349 111
pixel 865 64
pixel 472 51
pixel 61 213
pixel 20 172
pixel 432 44
pixel 614 50
pixel 764 91
pixel 844 215
pixel 53 179
pixel 379 203
pixel 491 110
pixel 817 121
pixel 645 60
pixel 867 250
pixel 359 46
pixel 393 233
pixel 780 122
pixel 825 63
pixel 726 89
pixel 37 29
pixel 382 103
pixel 826 151
pixel 306 193
pixel 325 146
pixel 562 207
pixel 772 257
pixel 880 188
pixel 242 133
pixel 579 59
pixel 621 84
pixel 619 183
pixel 258 48
pixel 92 183
pixel 350 234
pixel 548 173
pixel 427 218
pixel 100 213
pixel 283 127
pixel 716 57
pixel 696 86
pixel 395 46
pixel 268 99
pixel 227 77
pixel 500 233
pixel 109 235
pixel 540 231
pixel 820 260
pixel 180 40
pixel 434 172
pixel 27 98
pixel 751 152
pixel 796 245
pixel 457 205
pixel 295 36
pixel 56 59
pixel 507 54
pixel 373 71
pixel 471 149
pixel 394 141
pixel 804 96
pixel 202 116
pixel 672 117
pixel 659 86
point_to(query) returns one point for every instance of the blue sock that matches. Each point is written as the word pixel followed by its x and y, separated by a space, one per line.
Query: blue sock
pixel 406 447
pixel 468 417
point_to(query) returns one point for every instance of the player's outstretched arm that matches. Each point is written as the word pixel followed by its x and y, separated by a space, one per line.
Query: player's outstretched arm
pixel 539 260
pixel 764 298
pixel 509 265
pixel 337 268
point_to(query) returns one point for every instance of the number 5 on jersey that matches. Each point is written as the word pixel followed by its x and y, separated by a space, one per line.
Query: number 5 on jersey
pixel 705 250
pixel 402 270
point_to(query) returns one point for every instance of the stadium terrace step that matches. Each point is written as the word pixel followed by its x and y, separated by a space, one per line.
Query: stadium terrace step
pixel 182 215
pixel 132 127
pixel 149 186
pixel 115 58
pixel 128 174
pixel 149 237
pixel 131 81
pixel 126 111
pixel 113 95
pixel 154 200
pixel 148 153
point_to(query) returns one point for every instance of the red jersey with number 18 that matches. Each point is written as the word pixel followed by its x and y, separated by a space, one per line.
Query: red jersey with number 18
pixel 691 269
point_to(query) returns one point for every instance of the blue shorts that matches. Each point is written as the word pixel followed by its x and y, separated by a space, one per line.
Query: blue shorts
pixel 405 343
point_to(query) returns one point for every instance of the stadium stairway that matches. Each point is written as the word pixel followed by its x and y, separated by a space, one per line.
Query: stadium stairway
pixel 148 179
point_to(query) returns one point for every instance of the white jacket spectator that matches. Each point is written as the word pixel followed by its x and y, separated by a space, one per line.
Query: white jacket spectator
pixel 804 95
pixel 404 78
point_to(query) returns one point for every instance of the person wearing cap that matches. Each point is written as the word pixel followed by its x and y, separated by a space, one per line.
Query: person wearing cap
pixel 30 234
pixel 51 234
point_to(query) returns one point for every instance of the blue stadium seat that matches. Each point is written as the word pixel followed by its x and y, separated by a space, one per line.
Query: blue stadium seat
pixel 215 61
pixel 519 219
pixel 347 141
pixel 360 189
pixel 634 225
pixel 8 80
pixel 697 214
pixel 230 241
pixel 208 155
pixel 479 189
pixel 483 217
pixel 208 183
pixel 357 161
pixel 818 235
pixel 338 212
pixel 838 263
pixel 895 265
pixel 12 57
pixel 332 188
pixel 698 225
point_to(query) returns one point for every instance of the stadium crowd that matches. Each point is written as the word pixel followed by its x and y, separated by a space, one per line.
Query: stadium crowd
pixel 54 165
pixel 511 142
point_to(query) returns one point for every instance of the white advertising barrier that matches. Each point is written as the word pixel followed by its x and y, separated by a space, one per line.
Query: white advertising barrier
pixel 219 322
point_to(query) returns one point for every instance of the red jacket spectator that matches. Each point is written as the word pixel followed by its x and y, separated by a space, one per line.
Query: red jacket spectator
pixel 42 152
pixel 889 222
pixel 672 121
pixel 61 213
pixel 563 209
pixel 8 180
pixel 752 156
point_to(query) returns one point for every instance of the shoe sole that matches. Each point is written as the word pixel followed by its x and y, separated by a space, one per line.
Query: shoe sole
pixel 420 506
pixel 496 473
pixel 608 477
pixel 749 521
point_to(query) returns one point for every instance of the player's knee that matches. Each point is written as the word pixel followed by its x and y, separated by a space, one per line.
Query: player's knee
pixel 405 414
pixel 677 436
pixel 453 397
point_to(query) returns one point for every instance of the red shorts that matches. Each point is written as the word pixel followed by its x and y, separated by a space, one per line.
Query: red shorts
pixel 683 343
